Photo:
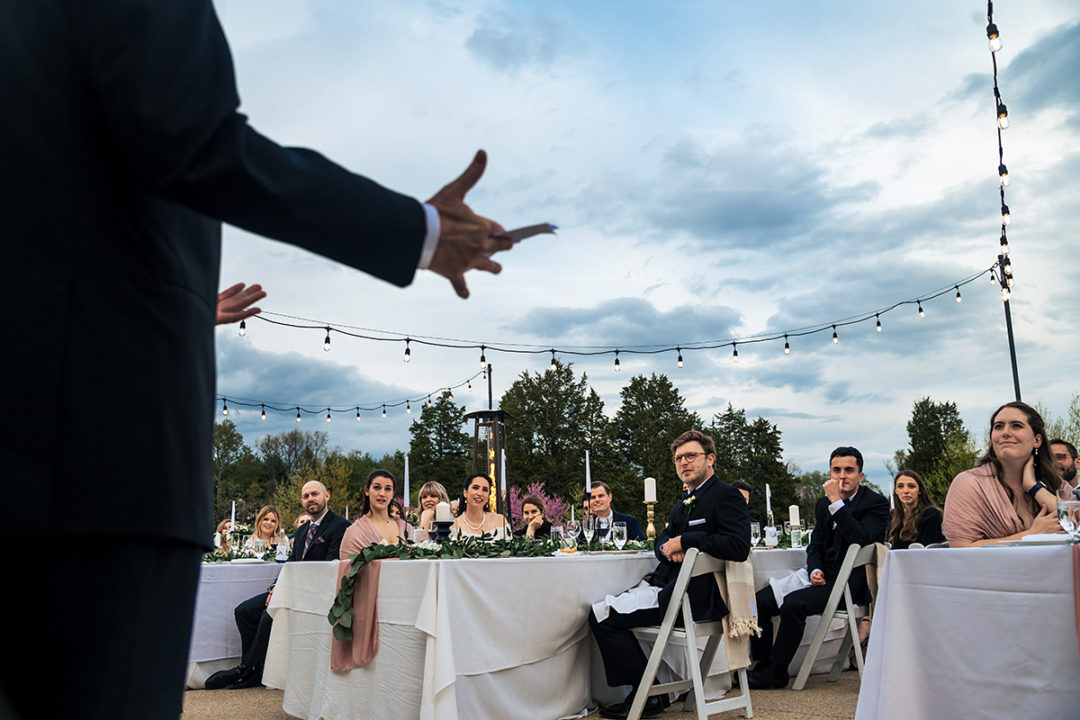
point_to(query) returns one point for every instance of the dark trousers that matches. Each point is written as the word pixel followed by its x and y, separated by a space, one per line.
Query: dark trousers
pixel 624 660
pixel 797 607
pixel 254 624
pixel 97 627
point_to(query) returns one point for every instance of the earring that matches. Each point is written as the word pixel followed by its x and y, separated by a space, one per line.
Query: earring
pixel 1036 452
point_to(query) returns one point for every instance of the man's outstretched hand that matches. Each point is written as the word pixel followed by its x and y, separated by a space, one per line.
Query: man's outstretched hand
pixel 233 304
pixel 466 240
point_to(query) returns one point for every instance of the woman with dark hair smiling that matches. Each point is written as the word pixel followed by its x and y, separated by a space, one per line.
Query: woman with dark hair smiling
pixel 1012 492
pixel 473 518
pixel 915 517
pixel 374 524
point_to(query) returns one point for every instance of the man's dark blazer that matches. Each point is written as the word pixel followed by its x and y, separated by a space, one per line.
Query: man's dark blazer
pixel 327 543
pixel 864 521
pixel 123 153
pixel 725 533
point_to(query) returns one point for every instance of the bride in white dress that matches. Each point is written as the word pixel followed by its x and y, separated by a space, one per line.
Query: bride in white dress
pixel 473 519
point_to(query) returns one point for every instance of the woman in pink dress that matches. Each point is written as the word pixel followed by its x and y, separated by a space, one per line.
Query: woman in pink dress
pixel 374 524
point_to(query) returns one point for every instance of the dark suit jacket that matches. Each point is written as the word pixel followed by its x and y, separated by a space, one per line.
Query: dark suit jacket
pixel 717 523
pixel 633 527
pixel 863 521
pixel 124 151
pixel 327 542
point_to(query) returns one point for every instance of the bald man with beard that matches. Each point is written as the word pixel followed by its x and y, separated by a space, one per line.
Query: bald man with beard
pixel 317 539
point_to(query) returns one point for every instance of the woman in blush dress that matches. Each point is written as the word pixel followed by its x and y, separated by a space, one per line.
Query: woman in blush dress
pixel 1012 492
pixel 473 518
pixel 374 524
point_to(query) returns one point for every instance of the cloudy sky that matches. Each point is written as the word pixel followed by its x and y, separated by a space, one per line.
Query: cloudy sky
pixel 718 172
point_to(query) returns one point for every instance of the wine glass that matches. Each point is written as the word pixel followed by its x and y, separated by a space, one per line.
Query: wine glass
pixel 618 534
pixel 1069 516
pixel 755 534
pixel 571 528
pixel 258 547
pixel 588 528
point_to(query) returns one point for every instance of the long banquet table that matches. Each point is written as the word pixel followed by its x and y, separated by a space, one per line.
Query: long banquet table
pixel 215 642
pixel 974 633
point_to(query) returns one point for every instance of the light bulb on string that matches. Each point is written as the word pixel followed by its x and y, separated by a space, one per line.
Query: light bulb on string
pixel 993 37
pixel 408 352
pixel 263 417
pixel 922 313
pixel 357 414
pixel 408 407
pixel 958 298
pixel 429 401
pixel 483 360
pixel 450 392
pixel 835 337
pixel 734 352
pixel 470 386
pixel 243 328
pixel 1005 294
pixel 1006 267
pixel 554 366
pixel 1003 173
pixel 326 342
pixel 787 346
pixel 878 316
pixel 384 411
pixel 328 418
pixel 993 278
pixel 617 368
pixel 297 414
pixel 224 406
pixel 1006 219
pixel 1003 116
pixel 1004 244
pixel 1009 281
pixel 678 361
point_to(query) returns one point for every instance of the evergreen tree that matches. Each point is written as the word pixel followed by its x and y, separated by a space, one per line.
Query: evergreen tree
pixel 440 451
pixel 940 447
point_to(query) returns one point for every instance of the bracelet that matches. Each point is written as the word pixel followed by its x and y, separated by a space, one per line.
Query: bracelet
pixel 1035 489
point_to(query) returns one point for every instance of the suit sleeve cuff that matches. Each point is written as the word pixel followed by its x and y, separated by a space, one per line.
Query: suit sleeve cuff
pixel 431 238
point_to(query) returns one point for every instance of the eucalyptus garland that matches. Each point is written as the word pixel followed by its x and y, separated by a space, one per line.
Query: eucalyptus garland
pixel 341 613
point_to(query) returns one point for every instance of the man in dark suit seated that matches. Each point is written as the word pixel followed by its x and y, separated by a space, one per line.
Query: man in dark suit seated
pixel 713 519
pixel 600 497
pixel 317 539
pixel 847 514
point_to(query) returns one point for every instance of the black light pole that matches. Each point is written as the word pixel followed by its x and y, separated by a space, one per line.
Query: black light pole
pixel 1005 279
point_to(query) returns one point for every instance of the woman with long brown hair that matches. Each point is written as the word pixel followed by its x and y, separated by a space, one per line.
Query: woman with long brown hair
pixel 915 517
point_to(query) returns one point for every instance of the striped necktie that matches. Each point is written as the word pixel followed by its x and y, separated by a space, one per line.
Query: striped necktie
pixel 312 529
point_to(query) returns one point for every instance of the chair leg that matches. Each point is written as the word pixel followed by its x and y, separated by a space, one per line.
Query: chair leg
pixel 651 667
pixel 744 686
pixel 812 652
pixel 696 670
pixel 842 658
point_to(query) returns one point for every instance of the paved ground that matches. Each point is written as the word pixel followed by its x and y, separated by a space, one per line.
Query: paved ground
pixel 821 700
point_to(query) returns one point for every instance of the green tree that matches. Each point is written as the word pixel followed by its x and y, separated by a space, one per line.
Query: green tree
pixel 440 451
pixel 555 419
pixel 939 446
pixel 753 452
pixel 286 453
pixel 237 473
pixel 333 471
pixel 652 414
pixel 1066 428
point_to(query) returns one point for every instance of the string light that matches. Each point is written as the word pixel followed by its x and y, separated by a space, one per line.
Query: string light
pixel 1005 218
pixel 384 411
pixel 358 414
pixel 1003 173
pixel 326 342
pixel 408 407
pixel 483 360
pixel 224 407
pixel 835 337
pixel 1003 115
pixel 678 361
pixel 328 418
pixel 1004 244
pixel 958 298
pixel 1006 294
pixel 734 352
pixel 429 401
pixel 1006 265
pixel 297 414
pixel 994 37
pixel 553 367
pixel 243 328
pixel 408 352
pixel 470 386
pixel 617 368
pixel 263 417
pixel 878 322
pixel 993 278
pixel 922 313
pixel 787 346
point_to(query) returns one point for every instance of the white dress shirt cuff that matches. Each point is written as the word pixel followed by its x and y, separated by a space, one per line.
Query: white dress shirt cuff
pixel 431 239
pixel 833 507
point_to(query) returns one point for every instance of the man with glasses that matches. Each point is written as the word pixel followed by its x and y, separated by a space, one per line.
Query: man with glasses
pixel 1065 456
pixel 847 514
pixel 713 518
pixel 600 497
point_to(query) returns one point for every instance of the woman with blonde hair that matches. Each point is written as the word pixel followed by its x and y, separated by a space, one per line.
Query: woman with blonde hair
pixel 267 527
pixel 430 495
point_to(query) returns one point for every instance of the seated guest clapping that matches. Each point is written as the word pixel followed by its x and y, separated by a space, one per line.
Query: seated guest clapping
pixel 374 523
pixel 716 522
pixel 1012 492
pixel 600 497
pixel 267 524
pixel 915 517
pixel 533 513
pixel 473 518
pixel 430 495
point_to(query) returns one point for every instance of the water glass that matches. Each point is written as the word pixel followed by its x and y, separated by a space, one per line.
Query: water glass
pixel 618 534
pixel 755 534
pixel 1069 516
pixel 556 533
pixel 796 537
pixel 568 544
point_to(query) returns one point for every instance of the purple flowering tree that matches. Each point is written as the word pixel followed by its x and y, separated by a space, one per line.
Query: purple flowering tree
pixel 554 507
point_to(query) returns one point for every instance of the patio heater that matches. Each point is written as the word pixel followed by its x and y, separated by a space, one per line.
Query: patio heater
pixel 489 439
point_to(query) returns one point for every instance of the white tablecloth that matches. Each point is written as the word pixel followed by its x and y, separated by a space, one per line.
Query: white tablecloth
pixel 492 638
pixel 215 642
pixel 974 633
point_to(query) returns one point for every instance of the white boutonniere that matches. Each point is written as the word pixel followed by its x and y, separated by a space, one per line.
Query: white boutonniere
pixel 688 503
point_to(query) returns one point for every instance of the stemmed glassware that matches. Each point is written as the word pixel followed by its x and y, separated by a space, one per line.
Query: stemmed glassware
pixel 588 529
pixel 1069 516
pixel 755 534
pixel 258 547
pixel 618 534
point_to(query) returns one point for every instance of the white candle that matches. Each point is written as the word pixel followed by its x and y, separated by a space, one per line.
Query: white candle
pixel 442 512
pixel 892 501
pixel 346 512
pixel 571 513
pixel 650 489
pixel 502 473
pixel 406 496
pixel 588 474
pixel 232 518
pixel 793 515
pixel 768 499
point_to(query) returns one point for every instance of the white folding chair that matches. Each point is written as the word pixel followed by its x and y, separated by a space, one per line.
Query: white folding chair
pixel 694 564
pixel 855 557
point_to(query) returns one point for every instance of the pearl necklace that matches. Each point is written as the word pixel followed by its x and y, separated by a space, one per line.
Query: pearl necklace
pixel 472 526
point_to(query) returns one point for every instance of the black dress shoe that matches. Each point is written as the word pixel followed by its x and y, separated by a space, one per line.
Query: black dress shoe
pixel 223 678
pixel 653 707
pixel 249 678
pixel 766 679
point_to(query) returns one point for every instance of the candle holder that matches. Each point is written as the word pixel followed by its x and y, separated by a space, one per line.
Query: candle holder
pixel 442 530
pixel 650 529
